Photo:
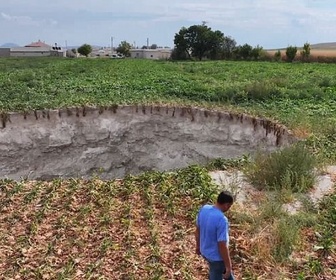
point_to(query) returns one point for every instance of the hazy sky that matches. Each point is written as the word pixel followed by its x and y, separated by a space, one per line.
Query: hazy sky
pixel 269 23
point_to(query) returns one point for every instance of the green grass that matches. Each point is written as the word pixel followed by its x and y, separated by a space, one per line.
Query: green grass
pixel 291 168
pixel 52 83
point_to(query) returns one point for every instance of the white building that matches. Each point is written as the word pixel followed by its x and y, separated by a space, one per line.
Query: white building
pixel 151 53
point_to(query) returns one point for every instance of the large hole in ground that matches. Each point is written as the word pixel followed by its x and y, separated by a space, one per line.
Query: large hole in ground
pixel 115 141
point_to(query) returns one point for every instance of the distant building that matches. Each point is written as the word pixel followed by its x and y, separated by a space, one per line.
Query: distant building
pixel 4 52
pixel 38 44
pixel 151 53
pixel 35 49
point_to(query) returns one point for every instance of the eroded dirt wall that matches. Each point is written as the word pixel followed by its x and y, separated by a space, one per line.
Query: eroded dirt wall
pixel 119 140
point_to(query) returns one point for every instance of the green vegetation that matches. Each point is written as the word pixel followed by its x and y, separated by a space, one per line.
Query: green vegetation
pixel 228 164
pixel 85 50
pixel 52 83
pixel 124 48
pixel 143 225
pixel 200 42
pixel 277 56
pixel 291 168
pixel 291 53
pixel 305 53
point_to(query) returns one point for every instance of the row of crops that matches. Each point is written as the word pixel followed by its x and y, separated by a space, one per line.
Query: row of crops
pixel 136 228
pixel 50 83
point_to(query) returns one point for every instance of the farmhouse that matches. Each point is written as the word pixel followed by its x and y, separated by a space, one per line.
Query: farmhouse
pixel 151 53
pixel 35 49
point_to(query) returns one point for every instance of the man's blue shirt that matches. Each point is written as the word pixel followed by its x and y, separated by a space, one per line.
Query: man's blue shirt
pixel 214 227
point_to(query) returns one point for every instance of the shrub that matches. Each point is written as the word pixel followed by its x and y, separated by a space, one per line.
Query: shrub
pixel 271 209
pixel 325 82
pixel 225 164
pixel 323 143
pixel 277 55
pixel 305 53
pixel 291 53
pixel 261 91
pixel 286 236
pixel 289 168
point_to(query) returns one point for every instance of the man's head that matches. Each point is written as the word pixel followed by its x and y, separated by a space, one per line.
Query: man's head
pixel 224 201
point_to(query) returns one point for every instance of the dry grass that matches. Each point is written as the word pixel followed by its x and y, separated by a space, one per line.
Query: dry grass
pixel 316 55
pixel 313 52
pixel 93 229
pixel 321 52
pixel 302 132
pixel 87 230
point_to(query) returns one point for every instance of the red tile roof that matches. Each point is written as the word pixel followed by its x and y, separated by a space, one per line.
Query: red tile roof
pixel 38 44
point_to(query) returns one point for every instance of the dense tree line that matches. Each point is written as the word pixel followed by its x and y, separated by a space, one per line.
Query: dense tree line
pixel 201 42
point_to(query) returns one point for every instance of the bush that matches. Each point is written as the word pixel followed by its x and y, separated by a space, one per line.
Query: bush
pixel 261 91
pixel 277 55
pixel 323 142
pixel 290 168
pixel 305 53
pixel 225 164
pixel 291 53
pixel 286 236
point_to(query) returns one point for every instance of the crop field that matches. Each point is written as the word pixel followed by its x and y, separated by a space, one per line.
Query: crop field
pixel 142 227
pixel 52 83
pixel 317 55
pixel 324 52
pixel 137 228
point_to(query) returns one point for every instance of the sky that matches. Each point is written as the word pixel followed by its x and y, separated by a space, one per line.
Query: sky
pixel 267 23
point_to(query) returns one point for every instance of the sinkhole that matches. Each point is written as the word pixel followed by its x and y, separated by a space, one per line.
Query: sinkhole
pixel 114 141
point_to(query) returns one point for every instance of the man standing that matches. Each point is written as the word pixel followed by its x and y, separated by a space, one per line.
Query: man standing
pixel 212 237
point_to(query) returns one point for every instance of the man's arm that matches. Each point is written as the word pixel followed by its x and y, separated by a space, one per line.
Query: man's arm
pixel 225 254
pixel 197 238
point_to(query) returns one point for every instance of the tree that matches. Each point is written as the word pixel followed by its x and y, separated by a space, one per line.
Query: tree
pixel 178 54
pixel 277 55
pixel 257 52
pixel 215 41
pixel 198 41
pixel 85 50
pixel 228 46
pixel 181 49
pixel 243 52
pixel 291 53
pixel 305 53
pixel 153 46
pixel 124 48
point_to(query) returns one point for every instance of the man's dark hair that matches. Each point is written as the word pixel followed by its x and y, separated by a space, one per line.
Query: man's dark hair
pixel 224 197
